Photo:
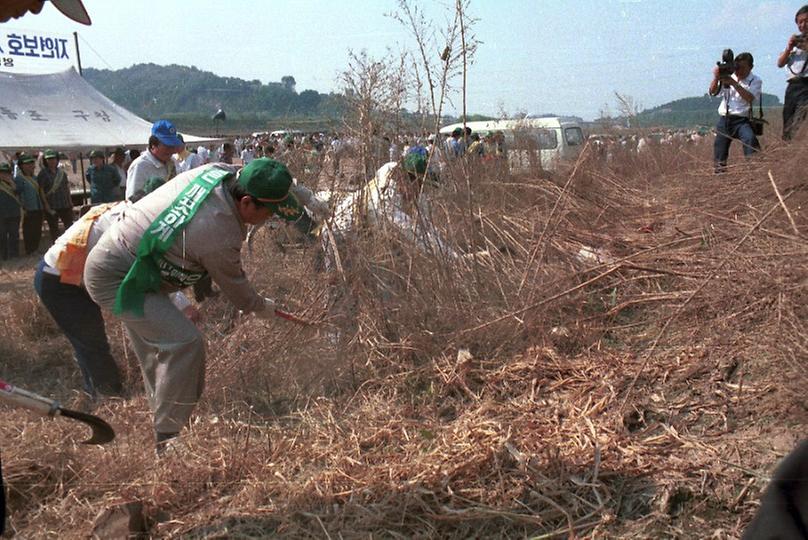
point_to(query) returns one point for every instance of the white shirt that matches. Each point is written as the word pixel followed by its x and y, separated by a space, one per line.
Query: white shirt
pixel 102 223
pixel 795 65
pixel 144 167
pixel 247 156
pixel 192 161
pixel 738 106
pixel 121 173
pixel 383 205
pixel 642 145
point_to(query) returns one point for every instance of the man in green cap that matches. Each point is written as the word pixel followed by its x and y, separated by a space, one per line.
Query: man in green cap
pixel 53 181
pixel 33 201
pixel 391 201
pixel 189 228
pixel 10 213
pixel 103 178
pixel 393 196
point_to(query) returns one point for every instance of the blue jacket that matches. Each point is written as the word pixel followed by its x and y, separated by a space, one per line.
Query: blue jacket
pixel 103 184
pixel 29 194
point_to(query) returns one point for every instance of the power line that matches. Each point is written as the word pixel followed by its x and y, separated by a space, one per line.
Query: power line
pixel 96 53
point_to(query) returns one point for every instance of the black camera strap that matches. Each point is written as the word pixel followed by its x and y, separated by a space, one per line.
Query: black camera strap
pixel 760 103
pixel 760 106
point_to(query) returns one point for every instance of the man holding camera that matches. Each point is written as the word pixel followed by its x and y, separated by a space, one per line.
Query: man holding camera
pixel 740 89
pixel 795 57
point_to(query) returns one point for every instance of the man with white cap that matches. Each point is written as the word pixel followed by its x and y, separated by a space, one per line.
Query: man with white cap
pixel 156 161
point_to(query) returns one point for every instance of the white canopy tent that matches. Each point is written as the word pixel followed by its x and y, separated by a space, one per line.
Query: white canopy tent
pixel 62 111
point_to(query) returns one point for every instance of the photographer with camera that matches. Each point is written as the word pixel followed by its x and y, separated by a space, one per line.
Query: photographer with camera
pixel 795 57
pixel 740 88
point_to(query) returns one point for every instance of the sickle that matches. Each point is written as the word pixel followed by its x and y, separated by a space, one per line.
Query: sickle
pixel 102 431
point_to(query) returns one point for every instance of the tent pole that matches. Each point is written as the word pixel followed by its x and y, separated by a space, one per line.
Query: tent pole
pixel 83 181
pixel 78 53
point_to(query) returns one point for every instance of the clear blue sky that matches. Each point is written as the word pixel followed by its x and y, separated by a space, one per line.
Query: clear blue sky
pixel 537 56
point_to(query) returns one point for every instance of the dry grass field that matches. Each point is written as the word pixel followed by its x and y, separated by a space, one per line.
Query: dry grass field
pixel 623 356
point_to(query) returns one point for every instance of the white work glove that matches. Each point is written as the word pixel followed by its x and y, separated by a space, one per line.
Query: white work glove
pixel 269 309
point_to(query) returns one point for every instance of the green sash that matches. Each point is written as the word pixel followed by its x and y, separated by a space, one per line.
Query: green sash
pixel 37 189
pixel 58 178
pixel 5 188
pixel 144 275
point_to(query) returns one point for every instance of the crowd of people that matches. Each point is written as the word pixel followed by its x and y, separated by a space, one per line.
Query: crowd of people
pixel 607 146
pixel 311 152
pixel 31 194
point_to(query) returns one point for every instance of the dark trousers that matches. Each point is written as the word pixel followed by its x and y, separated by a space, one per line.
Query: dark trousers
pixel 783 512
pixel 81 321
pixel 795 107
pixel 32 230
pixel 63 214
pixel 9 238
pixel 727 129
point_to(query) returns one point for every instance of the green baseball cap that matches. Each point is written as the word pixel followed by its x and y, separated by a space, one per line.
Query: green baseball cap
pixel 5 166
pixel 50 154
pixel 96 153
pixel 268 181
pixel 26 158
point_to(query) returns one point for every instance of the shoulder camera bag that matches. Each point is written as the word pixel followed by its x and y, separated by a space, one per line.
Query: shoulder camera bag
pixel 758 123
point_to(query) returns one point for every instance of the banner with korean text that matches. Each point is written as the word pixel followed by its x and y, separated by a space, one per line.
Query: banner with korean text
pixel 36 51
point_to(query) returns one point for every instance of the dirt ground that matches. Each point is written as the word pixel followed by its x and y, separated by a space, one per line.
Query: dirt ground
pixel 625 358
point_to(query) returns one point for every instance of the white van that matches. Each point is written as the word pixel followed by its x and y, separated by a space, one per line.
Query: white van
pixel 556 139
pixel 280 133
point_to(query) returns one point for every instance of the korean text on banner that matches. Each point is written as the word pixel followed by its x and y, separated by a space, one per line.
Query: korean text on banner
pixel 35 51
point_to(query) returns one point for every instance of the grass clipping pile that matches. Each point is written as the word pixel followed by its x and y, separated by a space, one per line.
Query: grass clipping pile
pixel 619 353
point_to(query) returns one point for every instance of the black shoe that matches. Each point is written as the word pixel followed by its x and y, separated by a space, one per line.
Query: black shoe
pixel 162 442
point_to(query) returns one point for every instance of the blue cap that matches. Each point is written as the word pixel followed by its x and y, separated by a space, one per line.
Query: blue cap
pixel 166 133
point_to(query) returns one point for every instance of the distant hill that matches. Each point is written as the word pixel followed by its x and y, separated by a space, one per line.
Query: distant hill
pixel 693 111
pixel 154 91
pixel 189 97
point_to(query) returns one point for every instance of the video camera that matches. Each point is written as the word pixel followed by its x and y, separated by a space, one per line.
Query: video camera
pixel 801 41
pixel 726 67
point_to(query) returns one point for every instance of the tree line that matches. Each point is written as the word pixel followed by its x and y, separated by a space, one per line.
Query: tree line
pixel 152 91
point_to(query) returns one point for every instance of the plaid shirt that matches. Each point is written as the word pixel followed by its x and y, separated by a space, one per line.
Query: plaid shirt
pixel 58 195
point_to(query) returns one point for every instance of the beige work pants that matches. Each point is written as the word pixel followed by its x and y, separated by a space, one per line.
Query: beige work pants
pixel 169 347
